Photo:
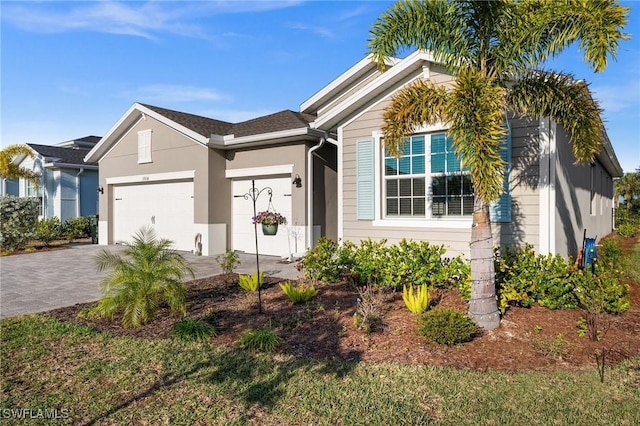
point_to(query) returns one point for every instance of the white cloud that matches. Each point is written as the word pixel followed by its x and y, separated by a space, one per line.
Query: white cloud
pixel 167 93
pixel 316 29
pixel 140 19
pixel 615 99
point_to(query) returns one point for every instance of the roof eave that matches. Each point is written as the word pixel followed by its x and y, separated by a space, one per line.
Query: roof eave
pixel 271 138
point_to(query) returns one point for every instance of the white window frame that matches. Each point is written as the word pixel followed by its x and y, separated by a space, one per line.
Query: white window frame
pixel 428 221
pixel 144 146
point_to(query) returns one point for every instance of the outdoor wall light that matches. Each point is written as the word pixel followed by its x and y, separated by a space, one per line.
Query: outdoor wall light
pixel 297 181
pixel 100 189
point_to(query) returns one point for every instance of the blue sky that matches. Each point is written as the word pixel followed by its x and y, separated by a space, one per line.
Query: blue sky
pixel 72 69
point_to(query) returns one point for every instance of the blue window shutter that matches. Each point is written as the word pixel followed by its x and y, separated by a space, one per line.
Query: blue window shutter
pixel 500 210
pixel 365 175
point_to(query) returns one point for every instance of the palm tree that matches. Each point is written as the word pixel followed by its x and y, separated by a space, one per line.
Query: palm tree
pixel 9 170
pixel 494 50
pixel 628 187
pixel 150 274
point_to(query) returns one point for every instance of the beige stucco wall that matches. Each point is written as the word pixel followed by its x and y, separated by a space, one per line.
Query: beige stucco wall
pixel 575 211
pixel 171 151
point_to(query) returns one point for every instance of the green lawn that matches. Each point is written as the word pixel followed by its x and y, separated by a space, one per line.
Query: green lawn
pixel 91 378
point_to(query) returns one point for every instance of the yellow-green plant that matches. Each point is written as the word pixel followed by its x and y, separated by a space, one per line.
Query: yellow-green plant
pixel 251 282
pixel 417 301
pixel 298 293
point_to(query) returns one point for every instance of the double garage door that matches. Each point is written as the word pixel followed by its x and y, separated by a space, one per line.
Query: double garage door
pixel 166 206
pixel 242 234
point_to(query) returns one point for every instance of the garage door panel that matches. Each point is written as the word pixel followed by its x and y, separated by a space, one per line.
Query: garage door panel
pixel 167 207
pixel 243 237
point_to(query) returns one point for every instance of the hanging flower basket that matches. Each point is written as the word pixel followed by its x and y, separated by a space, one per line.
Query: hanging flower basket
pixel 269 221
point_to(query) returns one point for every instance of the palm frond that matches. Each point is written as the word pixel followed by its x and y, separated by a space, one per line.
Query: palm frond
pixel 433 26
pixel 10 170
pixel 555 25
pixel 420 103
pixel 567 101
pixel 476 113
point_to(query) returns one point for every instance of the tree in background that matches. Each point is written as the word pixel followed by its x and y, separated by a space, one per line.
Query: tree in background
pixel 628 187
pixel 10 170
pixel 495 50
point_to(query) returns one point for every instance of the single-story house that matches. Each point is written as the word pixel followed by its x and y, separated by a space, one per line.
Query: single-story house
pixel 68 185
pixel 191 176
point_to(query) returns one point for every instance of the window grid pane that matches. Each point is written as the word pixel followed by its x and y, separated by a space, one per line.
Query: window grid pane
pixel 451 190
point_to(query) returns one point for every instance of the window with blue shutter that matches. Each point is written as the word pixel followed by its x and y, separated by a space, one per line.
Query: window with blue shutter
pixel 500 210
pixel 365 185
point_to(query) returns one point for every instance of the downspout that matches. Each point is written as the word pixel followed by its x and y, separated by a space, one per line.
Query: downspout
pixel 78 192
pixel 309 236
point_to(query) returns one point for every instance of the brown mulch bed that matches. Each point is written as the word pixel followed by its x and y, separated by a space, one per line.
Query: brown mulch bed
pixel 324 329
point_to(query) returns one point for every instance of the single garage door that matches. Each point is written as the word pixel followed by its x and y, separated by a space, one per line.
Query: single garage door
pixel 242 234
pixel 166 206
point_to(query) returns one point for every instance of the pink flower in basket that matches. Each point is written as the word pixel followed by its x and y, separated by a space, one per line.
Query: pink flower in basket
pixel 269 218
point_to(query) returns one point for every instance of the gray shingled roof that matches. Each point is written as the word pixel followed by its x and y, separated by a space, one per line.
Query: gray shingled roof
pixel 201 125
pixel 283 120
pixel 62 154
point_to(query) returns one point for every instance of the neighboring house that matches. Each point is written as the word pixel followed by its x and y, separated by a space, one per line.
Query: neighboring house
pixel 188 175
pixel 68 185
pixel 427 195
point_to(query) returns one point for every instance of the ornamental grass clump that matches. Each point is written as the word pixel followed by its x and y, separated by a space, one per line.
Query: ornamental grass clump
pixel 447 326
pixel 261 340
pixel 192 330
pixel 417 301
pixel 298 293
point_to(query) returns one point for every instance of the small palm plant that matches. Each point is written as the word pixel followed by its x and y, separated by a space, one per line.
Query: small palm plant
pixel 150 273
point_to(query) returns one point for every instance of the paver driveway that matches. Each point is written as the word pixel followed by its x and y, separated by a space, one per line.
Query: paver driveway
pixel 39 282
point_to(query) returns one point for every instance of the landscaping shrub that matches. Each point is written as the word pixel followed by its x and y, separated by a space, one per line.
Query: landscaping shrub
pixel 49 230
pixel 610 252
pixel 18 222
pixel 627 230
pixel 524 278
pixel 298 293
pixel 418 301
pixel 192 330
pixel 228 261
pixel 262 340
pixel 447 326
pixel 321 262
pixel 251 282
pixel 76 227
pixel 602 291
pixel 148 274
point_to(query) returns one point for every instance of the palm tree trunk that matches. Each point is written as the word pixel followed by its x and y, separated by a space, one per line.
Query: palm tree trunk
pixel 483 307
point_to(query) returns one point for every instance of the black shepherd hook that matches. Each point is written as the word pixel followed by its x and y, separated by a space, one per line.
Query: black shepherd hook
pixel 253 195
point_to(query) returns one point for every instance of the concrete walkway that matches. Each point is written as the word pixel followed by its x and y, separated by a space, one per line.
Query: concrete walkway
pixel 39 282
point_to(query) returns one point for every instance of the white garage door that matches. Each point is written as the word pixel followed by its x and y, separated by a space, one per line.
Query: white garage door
pixel 167 207
pixel 242 235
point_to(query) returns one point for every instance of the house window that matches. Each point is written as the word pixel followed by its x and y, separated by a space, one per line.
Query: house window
pixel 407 179
pixel 30 190
pixel 144 146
